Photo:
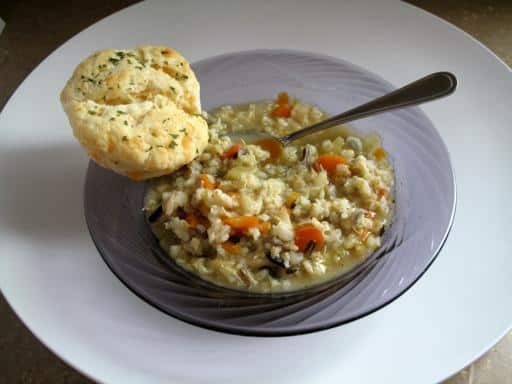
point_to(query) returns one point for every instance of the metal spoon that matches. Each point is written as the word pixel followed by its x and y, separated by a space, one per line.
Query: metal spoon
pixel 431 87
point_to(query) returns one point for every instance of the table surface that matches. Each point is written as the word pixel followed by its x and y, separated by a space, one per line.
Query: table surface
pixel 35 28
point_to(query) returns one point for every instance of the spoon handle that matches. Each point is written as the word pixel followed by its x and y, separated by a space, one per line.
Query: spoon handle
pixel 431 87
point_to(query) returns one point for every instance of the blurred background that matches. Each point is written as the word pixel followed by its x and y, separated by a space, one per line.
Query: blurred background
pixel 35 28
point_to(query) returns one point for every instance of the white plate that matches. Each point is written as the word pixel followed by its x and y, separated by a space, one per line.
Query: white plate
pixel 57 283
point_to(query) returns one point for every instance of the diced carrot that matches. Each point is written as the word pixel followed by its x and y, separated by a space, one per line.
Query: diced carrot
pixel 307 235
pixel 328 162
pixel 231 152
pixel 230 247
pixel 272 146
pixel 242 223
pixel 282 110
pixel 264 227
pixel 203 209
pixel 206 182
pixel 380 153
pixel 381 192
pixel 192 220
pixel 282 98
pixel 234 195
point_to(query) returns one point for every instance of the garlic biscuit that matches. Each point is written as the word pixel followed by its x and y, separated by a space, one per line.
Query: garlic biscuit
pixel 136 111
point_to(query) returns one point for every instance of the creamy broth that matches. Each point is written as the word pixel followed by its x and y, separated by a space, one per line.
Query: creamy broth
pixel 260 219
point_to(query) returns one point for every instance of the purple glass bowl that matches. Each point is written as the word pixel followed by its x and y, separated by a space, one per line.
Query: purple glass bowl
pixel 425 206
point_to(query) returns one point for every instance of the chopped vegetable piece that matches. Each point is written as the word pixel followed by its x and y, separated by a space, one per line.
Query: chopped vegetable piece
pixel 379 153
pixel 156 214
pixel 381 192
pixel 329 163
pixel 306 233
pixel 283 98
pixel 291 199
pixel 195 219
pixel 230 247
pixel 277 259
pixel 264 227
pixel 206 182
pixel 232 152
pixel 282 110
pixel 234 195
pixel 242 223
pixel 272 146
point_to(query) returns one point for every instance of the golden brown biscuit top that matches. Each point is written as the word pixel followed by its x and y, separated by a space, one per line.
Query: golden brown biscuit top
pixel 129 76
